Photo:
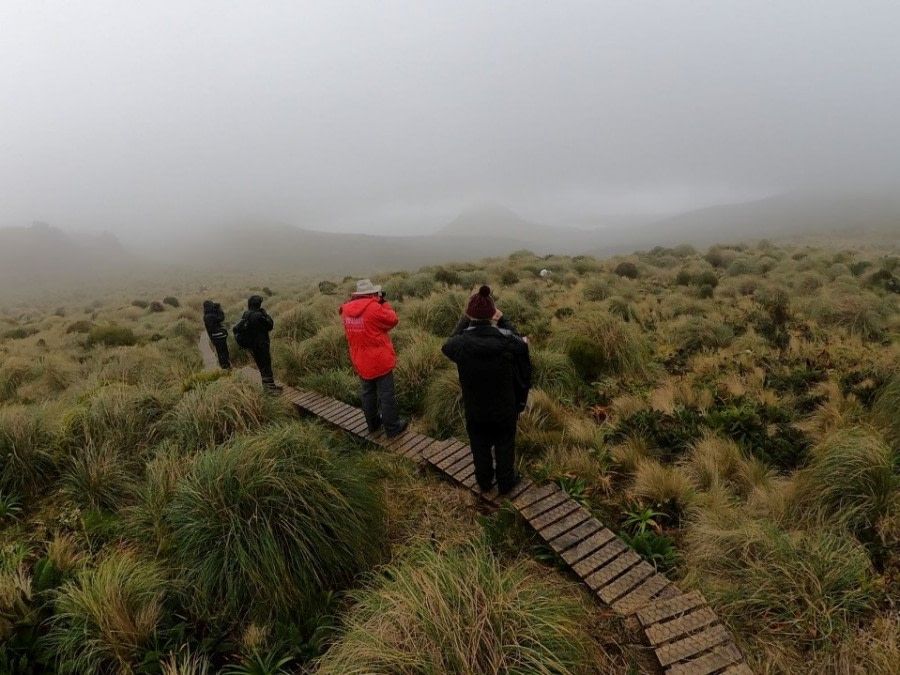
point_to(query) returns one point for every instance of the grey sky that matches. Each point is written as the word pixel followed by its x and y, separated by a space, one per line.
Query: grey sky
pixel 146 117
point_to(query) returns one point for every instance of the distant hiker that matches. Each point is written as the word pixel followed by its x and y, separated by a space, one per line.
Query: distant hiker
pixel 367 320
pixel 213 319
pixel 252 332
pixel 495 375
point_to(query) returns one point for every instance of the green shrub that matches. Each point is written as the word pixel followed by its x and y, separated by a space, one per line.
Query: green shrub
pixel 707 278
pixel 301 323
pixel 619 307
pixel 327 287
pixel 885 412
pixel 627 269
pixel 111 336
pixel 172 301
pixel 597 290
pixel 460 610
pixel 98 477
pixel 212 414
pixel 20 333
pixel 109 617
pixel 338 383
pixel 326 350
pixel 267 523
pixel 156 306
pixel 554 372
pixel 143 304
pixel 853 480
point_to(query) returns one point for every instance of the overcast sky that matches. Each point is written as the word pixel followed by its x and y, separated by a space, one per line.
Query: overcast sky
pixel 149 117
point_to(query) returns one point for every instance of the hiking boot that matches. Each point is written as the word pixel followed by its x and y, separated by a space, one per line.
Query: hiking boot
pixel 375 424
pixel 399 429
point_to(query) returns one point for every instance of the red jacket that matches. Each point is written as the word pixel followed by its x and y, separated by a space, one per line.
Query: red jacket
pixel 367 322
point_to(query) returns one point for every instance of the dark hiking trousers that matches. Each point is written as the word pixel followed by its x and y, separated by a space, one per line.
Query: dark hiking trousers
pixel 381 389
pixel 221 346
pixel 499 435
pixel 263 358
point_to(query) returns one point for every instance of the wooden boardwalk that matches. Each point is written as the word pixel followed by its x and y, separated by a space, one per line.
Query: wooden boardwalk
pixel 682 629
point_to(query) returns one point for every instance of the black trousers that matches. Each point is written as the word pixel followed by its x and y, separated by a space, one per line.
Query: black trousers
pixel 221 345
pixel 381 390
pixel 500 436
pixel 263 358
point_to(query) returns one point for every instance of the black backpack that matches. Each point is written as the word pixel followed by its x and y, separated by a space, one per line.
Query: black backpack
pixel 241 332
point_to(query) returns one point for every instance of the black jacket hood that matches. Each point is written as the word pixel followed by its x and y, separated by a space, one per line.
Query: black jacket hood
pixel 208 306
pixel 254 302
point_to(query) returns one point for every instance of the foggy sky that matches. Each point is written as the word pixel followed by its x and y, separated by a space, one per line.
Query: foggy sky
pixel 147 118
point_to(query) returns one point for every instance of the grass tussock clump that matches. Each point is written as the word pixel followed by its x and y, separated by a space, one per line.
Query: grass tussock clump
pixel 109 616
pixel 111 336
pixel 268 522
pixel 417 365
pixel 599 345
pixel 810 587
pixel 460 610
pixel 885 413
pixel 439 314
pixel 443 408
pixel 209 415
pixel 26 457
pixel 852 481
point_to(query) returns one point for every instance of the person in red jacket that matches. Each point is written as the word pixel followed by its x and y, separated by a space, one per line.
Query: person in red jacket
pixel 367 320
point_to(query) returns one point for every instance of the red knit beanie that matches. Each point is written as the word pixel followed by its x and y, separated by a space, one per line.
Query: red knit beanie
pixel 481 305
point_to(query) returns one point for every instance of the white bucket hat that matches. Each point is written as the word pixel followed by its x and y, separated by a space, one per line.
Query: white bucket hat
pixel 366 287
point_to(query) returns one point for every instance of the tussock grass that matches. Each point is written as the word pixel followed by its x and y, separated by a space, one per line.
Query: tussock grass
pixel 266 523
pixel 99 477
pixel 886 412
pixel 443 410
pixel 599 344
pixel 553 372
pixel 325 350
pixel 337 383
pixel 698 334
pixel 810 587
pixel 459 610
pixel 109 616
pixel 853 481
pixel 212 414
pixel 145 520
pixel 417 365
pixel 663 485
pixel 438 314
pixel 27 460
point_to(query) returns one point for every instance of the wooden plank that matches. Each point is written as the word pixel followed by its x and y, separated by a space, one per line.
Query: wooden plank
pixel 627 582
pixel 464 471
pixel 738 669
pixel 516 492
pixel 640 596
pixel 331 408
pixel 576 535
pixel 666 609
pixel 552 516
pixel 659 633
pixel 469 481
pixel 446 448
pixel 669 592
pixel 588 547
pixel 549 502
pixel 344 416
pixel 317 404
pixel 598 557
pixel 692 645
pixel 421 443
pixel 618 565
pixel 361 428
pixel 459 465
pixel 453 458
pixel 339 412
pixel 533 494
pixel 553 530
pixel 718 658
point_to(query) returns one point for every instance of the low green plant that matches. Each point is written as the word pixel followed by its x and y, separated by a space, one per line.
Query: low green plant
pixel 27 459
pixel 110 336
pixel 10 506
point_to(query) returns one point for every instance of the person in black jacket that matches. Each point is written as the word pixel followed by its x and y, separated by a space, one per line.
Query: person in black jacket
pixel 495 375
pixel 213 319
pixel 259 325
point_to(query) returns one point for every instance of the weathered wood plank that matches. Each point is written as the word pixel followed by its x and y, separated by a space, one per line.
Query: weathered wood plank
pixel 619 565
pixel 691 645
pixel 597 558
pixel 640 596
pixel 553 516
pixel 718 658
pixel 551 501
pixel 666 609
pixel 576 535
pixel 453 458
pixel 659 633
pixel 738 669
pixel 533 494
pixel 576 517
pixel 627 582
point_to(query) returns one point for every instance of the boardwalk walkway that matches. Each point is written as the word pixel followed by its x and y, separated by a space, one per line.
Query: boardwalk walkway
pixel 683 630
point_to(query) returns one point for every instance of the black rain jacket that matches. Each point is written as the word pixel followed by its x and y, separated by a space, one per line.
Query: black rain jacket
pixel 494 371
pixel 213 319
pixel 259 323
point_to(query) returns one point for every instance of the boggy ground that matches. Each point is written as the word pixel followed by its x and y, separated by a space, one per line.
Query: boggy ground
pixel 733 413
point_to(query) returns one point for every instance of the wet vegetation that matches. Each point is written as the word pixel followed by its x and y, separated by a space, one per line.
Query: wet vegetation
pixel 732 412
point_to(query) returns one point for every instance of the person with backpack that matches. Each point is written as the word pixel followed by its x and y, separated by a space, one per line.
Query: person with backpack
pixel 368 318
pixel 252 332
pixel 495 374
pixel 214 320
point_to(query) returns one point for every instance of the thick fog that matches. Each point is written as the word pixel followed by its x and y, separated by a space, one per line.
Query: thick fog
pixel 148 118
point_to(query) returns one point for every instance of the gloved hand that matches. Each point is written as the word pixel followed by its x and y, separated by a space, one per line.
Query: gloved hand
pixel 381 297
